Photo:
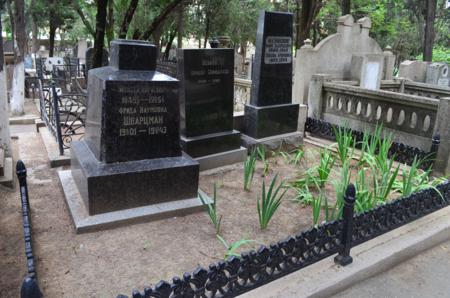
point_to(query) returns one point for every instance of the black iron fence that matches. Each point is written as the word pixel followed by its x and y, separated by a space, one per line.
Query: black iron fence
pixel 30 287
pixel 64 114
pixel 253 269
pixel 398 151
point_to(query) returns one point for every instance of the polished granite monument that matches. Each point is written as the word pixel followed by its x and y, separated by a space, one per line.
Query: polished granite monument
pixel 206 107
pixel 271 116
pixel 130 164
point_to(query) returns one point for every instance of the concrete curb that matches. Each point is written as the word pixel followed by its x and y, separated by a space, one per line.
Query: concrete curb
pixel 324 278
pixel 51 146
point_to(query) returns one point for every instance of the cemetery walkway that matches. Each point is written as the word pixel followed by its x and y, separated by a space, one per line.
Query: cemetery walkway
pixel 425 275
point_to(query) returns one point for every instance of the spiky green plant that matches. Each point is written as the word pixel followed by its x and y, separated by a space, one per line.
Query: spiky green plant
pixel 269 201
pixel 249 169
pixel 383 180
pixel 303 195
pixel 211 209
pixel 325 166
pixel 294 157
pixel 231 249
pixel 261 149
pixel 340 187
pixel 414 179
pixel 316 208
pixel 345 143
pixel 365 199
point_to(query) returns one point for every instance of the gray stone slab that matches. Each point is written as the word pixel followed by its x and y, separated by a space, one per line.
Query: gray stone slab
pixel 51 146
pixel 8 179
pixel 85 223
pixel 289 139
pixel 222 159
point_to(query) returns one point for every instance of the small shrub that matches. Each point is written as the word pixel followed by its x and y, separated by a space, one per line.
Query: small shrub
pixel 211 209
pixel 345 142
pixel 261 149
pixel 233 247
pixel 269 202
pixel 249 170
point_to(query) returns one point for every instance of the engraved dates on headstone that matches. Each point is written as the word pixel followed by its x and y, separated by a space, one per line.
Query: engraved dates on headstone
pixel 278 50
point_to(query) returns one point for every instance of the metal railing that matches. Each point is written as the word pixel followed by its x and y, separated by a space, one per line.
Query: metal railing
pixel 30 287
pixel 237 275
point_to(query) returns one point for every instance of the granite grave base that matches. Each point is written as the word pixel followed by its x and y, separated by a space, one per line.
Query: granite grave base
pixel 134 183
pixel 221 159
pixel 211 143
pixel 267 121
pixel 288 140
pixel 84 222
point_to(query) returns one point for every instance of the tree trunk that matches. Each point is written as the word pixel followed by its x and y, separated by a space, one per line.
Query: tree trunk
pixel 159 19
pixel 18 86
pixel 5 139
pixel 100 25
pixel 180 26
pixel 206 31
pixel 127 18
pixel 169 44
pixel 110 23
pixel 12 24
pixel 428 40
pixel 83 18
pixel 34 30
pixel 52 34
pixel 310 9
pixel 345 6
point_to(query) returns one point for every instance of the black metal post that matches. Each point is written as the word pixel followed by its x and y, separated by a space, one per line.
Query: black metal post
pixel 30 288
pixel 344 258
pixel 57 120
pixel 435 141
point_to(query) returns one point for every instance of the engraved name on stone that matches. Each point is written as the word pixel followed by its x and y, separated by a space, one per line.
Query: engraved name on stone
pixel 278 50
pixel 211 67
pixel 142 111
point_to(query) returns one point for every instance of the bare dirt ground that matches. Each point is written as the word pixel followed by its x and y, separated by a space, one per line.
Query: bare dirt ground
pixel 106 263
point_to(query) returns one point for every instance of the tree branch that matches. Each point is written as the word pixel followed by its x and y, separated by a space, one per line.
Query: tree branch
pixel 158 20
pixel 127 18
pixel 83 18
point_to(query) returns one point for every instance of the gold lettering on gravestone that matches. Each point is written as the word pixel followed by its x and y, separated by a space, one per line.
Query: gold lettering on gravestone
pixel 142 111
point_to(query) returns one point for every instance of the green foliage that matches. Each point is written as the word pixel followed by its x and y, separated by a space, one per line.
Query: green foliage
pixel 233 247
pixel 261 149
pixel 340 186
pixel 303 195
pixel 269 201
pixel 211 209
pixel 294 157
pixel 345 143
pixel 249 170
pixel 325 166
pixel 316 208
pixel 440 54
pixel 414 179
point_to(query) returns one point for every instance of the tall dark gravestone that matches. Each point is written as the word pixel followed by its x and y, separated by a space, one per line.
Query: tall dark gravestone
pixel 131 155
pixel 271 112
pixel 206 103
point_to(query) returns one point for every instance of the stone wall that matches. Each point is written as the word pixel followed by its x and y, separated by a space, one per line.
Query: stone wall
pixel 333 55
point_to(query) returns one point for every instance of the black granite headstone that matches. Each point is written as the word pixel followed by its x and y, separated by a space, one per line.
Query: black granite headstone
pixel 271 111
pixel 131 155
pixel 206 98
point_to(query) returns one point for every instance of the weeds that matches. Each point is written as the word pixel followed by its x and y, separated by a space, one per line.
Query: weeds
pixel 294 157
pixel 269 201
pixel 261 149
pixel 249 170
pixel 325 166
pixel 233 247
pixel 345 143
pixel 211 209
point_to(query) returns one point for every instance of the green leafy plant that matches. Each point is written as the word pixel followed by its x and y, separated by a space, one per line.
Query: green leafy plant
pixel 340 187
pixel 383 181
pixel 345 143
pixel 231 249
pixel 303 195
pixel 325 166
pixel 414 179
pixel 261 149
pixel 249 170
pixel 365 199
pixel 270 201
pixel 316 208
pixel 211 209
pixel 294 157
